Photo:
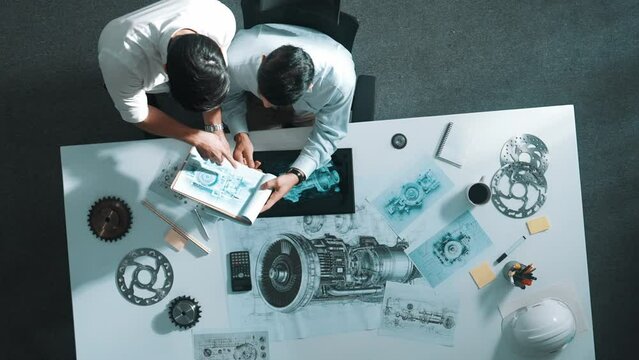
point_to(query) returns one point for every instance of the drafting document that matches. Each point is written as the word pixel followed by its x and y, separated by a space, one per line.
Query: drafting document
pixel 316 275
pixel 411 193
pixel 233 192
pixel 449 249
pixel 176 207
pixel 217 345
pixel 418 313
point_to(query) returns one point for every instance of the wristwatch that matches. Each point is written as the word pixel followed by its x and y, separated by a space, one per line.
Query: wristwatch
pixel 214 127
pixel 297 172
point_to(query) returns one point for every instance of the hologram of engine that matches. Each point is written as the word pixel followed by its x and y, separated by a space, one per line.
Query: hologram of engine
pixel 328 190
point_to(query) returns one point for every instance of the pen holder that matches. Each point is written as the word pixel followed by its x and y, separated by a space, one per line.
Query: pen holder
pixel 511 266
pixel 518 274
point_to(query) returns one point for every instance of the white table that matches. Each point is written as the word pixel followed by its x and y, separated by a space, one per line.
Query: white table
pixel 109 327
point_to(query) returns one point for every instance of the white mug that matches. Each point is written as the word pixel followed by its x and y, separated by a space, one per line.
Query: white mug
pixel 478 193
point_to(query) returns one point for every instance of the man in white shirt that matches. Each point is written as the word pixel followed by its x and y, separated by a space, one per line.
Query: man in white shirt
pixel 178 46
pixel 289 68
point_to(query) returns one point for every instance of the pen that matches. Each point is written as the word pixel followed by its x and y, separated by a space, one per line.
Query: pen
pixel 199 218
pixel 528 269
pixel 510 249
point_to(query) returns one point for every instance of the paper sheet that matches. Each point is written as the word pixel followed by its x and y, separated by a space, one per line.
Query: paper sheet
pixel 411 194
pixel 418 313
pixel 231 345
pixel 269 240
pixel 450 249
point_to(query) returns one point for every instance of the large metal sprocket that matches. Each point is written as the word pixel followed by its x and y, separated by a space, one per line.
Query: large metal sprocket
pixel 110 218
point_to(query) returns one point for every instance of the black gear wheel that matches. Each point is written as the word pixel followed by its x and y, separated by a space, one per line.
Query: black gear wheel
pixel 184 312
pixel 110 218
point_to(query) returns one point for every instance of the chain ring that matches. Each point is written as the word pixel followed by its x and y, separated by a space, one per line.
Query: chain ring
pixel 184 312
pixel 110 218
pixel 128 291
pixel 518 173
pixel 528 149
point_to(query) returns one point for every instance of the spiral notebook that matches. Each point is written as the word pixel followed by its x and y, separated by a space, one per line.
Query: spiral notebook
pixel 453 145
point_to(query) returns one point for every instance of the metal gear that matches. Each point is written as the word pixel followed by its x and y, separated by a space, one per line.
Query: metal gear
pixel 184 312
pixel 110 218
pixel 526 148
pixel 144 276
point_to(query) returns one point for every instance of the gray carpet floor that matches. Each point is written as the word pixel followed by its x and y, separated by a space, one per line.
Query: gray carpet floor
pixel 430 57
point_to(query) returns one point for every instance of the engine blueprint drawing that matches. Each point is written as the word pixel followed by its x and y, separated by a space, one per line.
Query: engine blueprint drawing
pixel 293 270
pixel 411 194
pixel 314 280
pixel 247 345
pixel 418 313
pixel 450 249
pixel 222 185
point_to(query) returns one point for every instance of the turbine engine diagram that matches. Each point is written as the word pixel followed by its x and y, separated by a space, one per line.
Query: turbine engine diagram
pixel 293 270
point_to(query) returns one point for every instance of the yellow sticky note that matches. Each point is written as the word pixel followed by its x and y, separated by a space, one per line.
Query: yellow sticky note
pixel 174 239
pixel 482 275
pixel 538 225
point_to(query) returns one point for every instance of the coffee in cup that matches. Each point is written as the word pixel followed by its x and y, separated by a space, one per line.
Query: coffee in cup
pixel 478 193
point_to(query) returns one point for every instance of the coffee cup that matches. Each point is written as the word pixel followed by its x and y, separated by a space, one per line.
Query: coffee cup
pixel 478 193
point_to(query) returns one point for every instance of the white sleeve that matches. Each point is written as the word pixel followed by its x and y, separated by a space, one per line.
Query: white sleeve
pixel 331 125
pixel 125 87
pixel 234 110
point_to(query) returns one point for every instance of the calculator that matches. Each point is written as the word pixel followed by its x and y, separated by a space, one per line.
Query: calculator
pixel 240 271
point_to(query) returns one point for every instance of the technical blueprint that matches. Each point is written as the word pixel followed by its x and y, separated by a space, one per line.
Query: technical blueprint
pixel 222 187
pixel 246 345
pixel 449 249
pixel 418 313
pixel 410 194
pixel 316 275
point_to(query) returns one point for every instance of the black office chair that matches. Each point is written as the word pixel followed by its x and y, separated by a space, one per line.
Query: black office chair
pixel 324 16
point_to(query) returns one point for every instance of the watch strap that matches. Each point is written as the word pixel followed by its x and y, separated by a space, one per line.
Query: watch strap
pixel 297 172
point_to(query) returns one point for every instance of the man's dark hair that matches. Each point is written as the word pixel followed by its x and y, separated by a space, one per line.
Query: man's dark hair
pixel 284 75
pixel 197 72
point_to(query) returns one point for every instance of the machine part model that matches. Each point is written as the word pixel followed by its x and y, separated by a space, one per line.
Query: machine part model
pixel 136 279
pixel 184 312
pixel 450 250
pixel 417 312
pixel 412 194
pixel 518 190
pixel 528 149
pixel 322 180
pixel 110 218
pixel 293 270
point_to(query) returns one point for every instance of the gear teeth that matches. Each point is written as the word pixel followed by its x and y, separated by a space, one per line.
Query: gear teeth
pixel 187 315
pixel 104 230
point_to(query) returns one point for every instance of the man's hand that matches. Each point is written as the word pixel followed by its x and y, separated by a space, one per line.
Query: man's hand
pixel 244 151
pixel 214 146
pixel 280 186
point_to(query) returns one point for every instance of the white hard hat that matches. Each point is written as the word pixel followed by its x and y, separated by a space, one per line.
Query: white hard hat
pixel 542 328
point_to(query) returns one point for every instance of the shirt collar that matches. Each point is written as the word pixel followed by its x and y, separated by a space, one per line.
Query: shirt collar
pixel 164 41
